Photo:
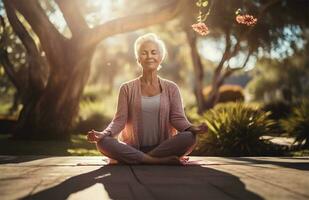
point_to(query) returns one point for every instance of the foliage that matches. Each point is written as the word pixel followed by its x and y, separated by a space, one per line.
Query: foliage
pixel 268 32
pixel 227 93
pixel 278 109
pixel 202 16
pixel 278 80
pixel 12 49
pixel 234 130
pixel 76 146
pixel 272 32
pixel 297 124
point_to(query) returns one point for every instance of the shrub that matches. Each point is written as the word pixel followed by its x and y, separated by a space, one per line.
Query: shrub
pixel 234 130
pixel 297 124
pixel 227 93
pixel 278 109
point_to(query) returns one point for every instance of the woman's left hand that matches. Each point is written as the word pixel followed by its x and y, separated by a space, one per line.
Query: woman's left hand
pixel 200 129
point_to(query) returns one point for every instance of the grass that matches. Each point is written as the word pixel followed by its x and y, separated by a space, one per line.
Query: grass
pixel 298 153
pixel 77 146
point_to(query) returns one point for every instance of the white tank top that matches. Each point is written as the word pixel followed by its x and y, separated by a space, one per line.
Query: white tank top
pixel 150 119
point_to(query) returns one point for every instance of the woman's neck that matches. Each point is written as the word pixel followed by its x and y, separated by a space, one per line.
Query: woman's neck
pixel 149 77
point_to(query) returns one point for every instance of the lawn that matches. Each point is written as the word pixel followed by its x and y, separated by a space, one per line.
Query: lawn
pixel 77 146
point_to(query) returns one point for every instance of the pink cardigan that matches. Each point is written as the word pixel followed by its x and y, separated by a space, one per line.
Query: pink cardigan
pixel 128 121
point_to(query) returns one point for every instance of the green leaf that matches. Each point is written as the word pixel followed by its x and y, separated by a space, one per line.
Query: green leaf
pixel 205 3
pixel 238 11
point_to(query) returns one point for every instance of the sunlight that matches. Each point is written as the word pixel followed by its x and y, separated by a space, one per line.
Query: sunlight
pixel 96 191
pixel 212 50
pixel 102 176
pixel 105 10
pixel 95 12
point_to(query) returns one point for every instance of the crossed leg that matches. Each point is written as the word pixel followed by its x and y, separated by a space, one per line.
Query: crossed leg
pixel 168 152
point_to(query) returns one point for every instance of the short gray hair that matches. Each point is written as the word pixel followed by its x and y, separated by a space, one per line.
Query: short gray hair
pixel 149 37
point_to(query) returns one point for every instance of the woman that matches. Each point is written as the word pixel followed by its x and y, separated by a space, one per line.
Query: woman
pixel 148 113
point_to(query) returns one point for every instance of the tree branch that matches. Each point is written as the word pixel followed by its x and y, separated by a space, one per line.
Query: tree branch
pixel 8 68
pixel 236 48
pixel 21 31
pixel 130 23
pixel 250 29
pixel 247 59
pixel 36 79
pixel 72 16
pixel 230 70
pixel 260 16
pixel 225 56
pixel 49 36
pixel 2 23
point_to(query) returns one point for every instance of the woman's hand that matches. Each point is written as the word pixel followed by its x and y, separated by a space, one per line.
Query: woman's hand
pixel 200 129
pixel 94 136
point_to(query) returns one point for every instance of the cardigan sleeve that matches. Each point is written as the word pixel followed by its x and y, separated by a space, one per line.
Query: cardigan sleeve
pixel 178 118
pixel 121 115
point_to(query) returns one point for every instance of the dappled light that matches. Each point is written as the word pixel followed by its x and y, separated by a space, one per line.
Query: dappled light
pixel 120 98
pixel 75 88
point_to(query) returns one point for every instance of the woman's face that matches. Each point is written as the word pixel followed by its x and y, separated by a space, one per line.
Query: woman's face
pixel 149 56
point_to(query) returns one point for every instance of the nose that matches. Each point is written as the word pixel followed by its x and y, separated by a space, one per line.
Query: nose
pixel 148 55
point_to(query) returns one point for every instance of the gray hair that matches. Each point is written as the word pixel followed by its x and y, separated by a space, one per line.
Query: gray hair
pixel 149 37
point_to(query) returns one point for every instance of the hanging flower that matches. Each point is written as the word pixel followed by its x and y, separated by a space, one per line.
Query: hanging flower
pixel 248 20
pixel 200 28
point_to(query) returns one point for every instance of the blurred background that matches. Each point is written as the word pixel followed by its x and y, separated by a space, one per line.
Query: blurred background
pixel 62 64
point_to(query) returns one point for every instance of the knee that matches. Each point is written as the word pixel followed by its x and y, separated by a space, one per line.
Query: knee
pixel 104 144
pixel 188 138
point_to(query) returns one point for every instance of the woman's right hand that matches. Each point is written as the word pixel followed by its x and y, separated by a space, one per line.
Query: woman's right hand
pixel 94 136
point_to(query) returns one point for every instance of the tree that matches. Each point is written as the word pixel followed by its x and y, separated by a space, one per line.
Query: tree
pixel 53 102
pixel 267 34
pixel 271 82
pixel 13 60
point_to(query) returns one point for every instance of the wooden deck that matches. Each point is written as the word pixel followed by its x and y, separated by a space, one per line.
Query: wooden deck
pixel 43 177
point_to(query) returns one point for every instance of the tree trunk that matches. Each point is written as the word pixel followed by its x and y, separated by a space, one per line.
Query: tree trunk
pixel 49 111
pixel 198 70
pixel 51 115
pixel 213 95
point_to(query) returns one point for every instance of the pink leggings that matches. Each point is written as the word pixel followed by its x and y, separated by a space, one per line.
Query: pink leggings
pixel 179 145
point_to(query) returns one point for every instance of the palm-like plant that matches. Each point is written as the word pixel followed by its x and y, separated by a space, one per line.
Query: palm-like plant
pixel 297 124
pixel 235 130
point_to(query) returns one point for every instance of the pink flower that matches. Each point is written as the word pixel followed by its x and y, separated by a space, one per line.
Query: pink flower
pixel 200 28
pixel 248 20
